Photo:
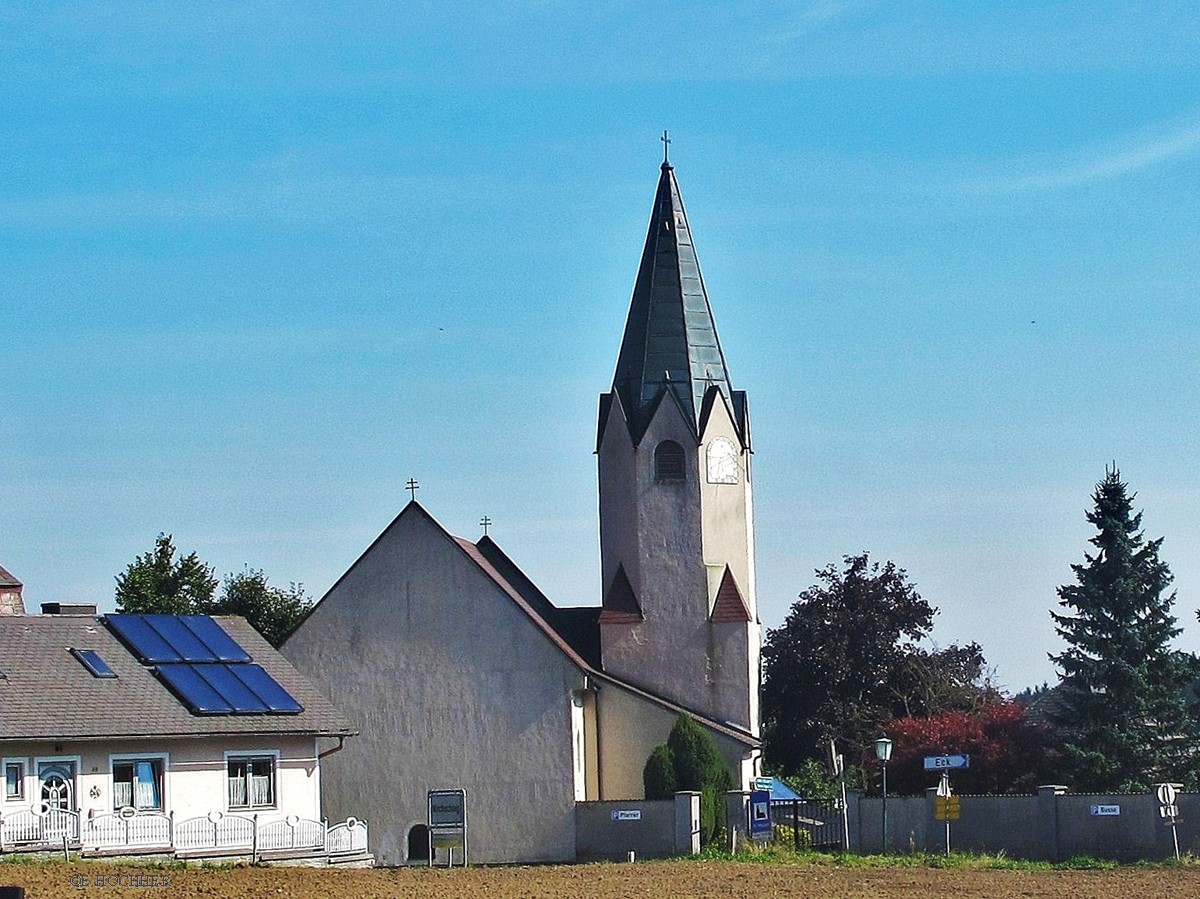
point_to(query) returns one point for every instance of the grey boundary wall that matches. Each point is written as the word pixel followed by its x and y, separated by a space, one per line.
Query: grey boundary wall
pixel 1052 826
pixel 663 828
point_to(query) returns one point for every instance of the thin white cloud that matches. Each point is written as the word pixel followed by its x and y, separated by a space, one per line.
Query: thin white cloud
pixel 812 17
pixel 1130 154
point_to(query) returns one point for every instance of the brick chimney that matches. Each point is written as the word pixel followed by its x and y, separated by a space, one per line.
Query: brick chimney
pixel 10 595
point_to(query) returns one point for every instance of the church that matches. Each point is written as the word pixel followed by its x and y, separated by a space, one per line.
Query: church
pixel 460 674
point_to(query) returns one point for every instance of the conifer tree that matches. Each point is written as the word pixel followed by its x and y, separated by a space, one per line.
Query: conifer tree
pixel 1123 717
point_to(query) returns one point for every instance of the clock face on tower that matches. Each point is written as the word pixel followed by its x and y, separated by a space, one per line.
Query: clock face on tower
pixel 722 461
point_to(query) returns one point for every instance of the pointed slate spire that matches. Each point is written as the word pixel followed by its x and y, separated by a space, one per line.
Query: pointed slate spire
pixel 670 343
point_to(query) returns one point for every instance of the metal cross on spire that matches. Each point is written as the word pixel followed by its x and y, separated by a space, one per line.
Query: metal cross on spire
pixel 412 487
pixel 666 141
pixel 483 523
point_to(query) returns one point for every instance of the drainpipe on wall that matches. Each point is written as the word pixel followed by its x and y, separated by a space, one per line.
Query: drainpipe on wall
pixel 338 748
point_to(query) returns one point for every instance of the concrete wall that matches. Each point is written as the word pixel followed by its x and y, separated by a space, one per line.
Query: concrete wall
pixel 452 687
pixel 1051 826
pixel 599 837
pixel 194 773
pixel 663 829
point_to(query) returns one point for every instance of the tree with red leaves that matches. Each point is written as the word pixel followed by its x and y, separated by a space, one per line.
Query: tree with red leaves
pixel 1009 753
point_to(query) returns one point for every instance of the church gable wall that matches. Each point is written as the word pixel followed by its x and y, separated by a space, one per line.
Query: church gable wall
pixel 452 686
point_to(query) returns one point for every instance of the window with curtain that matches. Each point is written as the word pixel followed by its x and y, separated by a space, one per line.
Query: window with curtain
pixel 137 783
pixel 251 781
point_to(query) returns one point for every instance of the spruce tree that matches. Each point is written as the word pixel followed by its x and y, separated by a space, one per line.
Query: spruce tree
pixel 1123 717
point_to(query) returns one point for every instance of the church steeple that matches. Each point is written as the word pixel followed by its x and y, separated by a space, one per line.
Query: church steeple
pixel 673 454
pixel 670 344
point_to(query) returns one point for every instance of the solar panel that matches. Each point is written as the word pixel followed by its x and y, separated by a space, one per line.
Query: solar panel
pixel 143 640
pixel 90 659
pixel 193 690
pixel 279 701
pixel 186 644
pixel 223 646
pixel 222 679
pixel 200 663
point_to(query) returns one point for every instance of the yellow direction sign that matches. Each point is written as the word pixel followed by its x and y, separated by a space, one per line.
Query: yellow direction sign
pixel 945 808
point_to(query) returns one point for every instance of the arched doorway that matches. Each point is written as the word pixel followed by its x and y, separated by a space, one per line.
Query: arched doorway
pixel 418 845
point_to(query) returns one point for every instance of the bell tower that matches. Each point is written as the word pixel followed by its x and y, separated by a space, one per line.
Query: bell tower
pixel 679 612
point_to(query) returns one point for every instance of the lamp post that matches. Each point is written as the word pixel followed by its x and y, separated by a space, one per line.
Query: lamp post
pixel 883 752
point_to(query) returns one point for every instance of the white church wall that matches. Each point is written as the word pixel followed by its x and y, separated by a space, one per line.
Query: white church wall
pixel 728 534
pixel 661 548
pixel 452 686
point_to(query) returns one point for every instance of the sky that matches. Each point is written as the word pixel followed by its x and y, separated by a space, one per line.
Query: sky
pixel 263 263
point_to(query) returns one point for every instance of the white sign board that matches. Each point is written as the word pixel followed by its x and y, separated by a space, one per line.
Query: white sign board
pixel 1106 811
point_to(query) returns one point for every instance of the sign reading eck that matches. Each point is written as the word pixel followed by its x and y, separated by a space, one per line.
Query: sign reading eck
pixel 946 762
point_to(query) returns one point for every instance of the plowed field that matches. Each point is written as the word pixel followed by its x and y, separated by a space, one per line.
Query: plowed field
pixel 665 880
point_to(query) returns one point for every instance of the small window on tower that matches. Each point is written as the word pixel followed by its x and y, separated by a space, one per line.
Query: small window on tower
pixel 668 461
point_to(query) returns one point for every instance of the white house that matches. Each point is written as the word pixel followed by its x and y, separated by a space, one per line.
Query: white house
pixel 178 734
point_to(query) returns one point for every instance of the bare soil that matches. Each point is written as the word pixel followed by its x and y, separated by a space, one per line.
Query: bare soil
pixel 660 880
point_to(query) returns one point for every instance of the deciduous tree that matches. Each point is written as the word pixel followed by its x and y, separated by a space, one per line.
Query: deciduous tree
pixel 832 669
pixel 1009 753
pixel 158 582
pixel 273 611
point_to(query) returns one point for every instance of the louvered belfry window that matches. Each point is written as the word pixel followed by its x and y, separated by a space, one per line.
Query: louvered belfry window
pixel 668 461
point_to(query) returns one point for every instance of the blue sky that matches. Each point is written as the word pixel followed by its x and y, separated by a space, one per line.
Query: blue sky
pixel 264 262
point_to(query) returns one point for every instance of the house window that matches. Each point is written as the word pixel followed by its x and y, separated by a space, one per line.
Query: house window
pixel 14 780
pixel 137 783
pixel 251 781
pixel 668 461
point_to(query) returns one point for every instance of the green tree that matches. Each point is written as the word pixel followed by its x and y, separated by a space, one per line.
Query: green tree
pixel 834 669
pixel 158 582
pixel 272 611
pixel 689 760
pixel 1123 715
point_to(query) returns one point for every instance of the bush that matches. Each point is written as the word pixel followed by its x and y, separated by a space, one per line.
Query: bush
pixel 658 777
pixel 689 760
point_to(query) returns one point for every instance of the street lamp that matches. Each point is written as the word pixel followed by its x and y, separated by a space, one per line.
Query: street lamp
pixel 883 752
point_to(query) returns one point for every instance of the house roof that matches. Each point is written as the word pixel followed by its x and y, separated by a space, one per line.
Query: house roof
pixel 7 580
pixel 46 693
pixel 670 343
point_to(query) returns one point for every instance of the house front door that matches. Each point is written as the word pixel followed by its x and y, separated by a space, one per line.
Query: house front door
pixel 56 780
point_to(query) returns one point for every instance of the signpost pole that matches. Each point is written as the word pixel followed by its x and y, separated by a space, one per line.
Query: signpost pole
pixel 1167 793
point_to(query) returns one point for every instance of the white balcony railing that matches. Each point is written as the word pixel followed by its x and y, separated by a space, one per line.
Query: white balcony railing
pixel 217 832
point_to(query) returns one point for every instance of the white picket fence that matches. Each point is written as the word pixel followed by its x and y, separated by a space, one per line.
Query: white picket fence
pixel 39 826
pixel 216 833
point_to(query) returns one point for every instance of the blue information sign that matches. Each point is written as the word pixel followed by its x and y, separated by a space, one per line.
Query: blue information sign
pixel 760 814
